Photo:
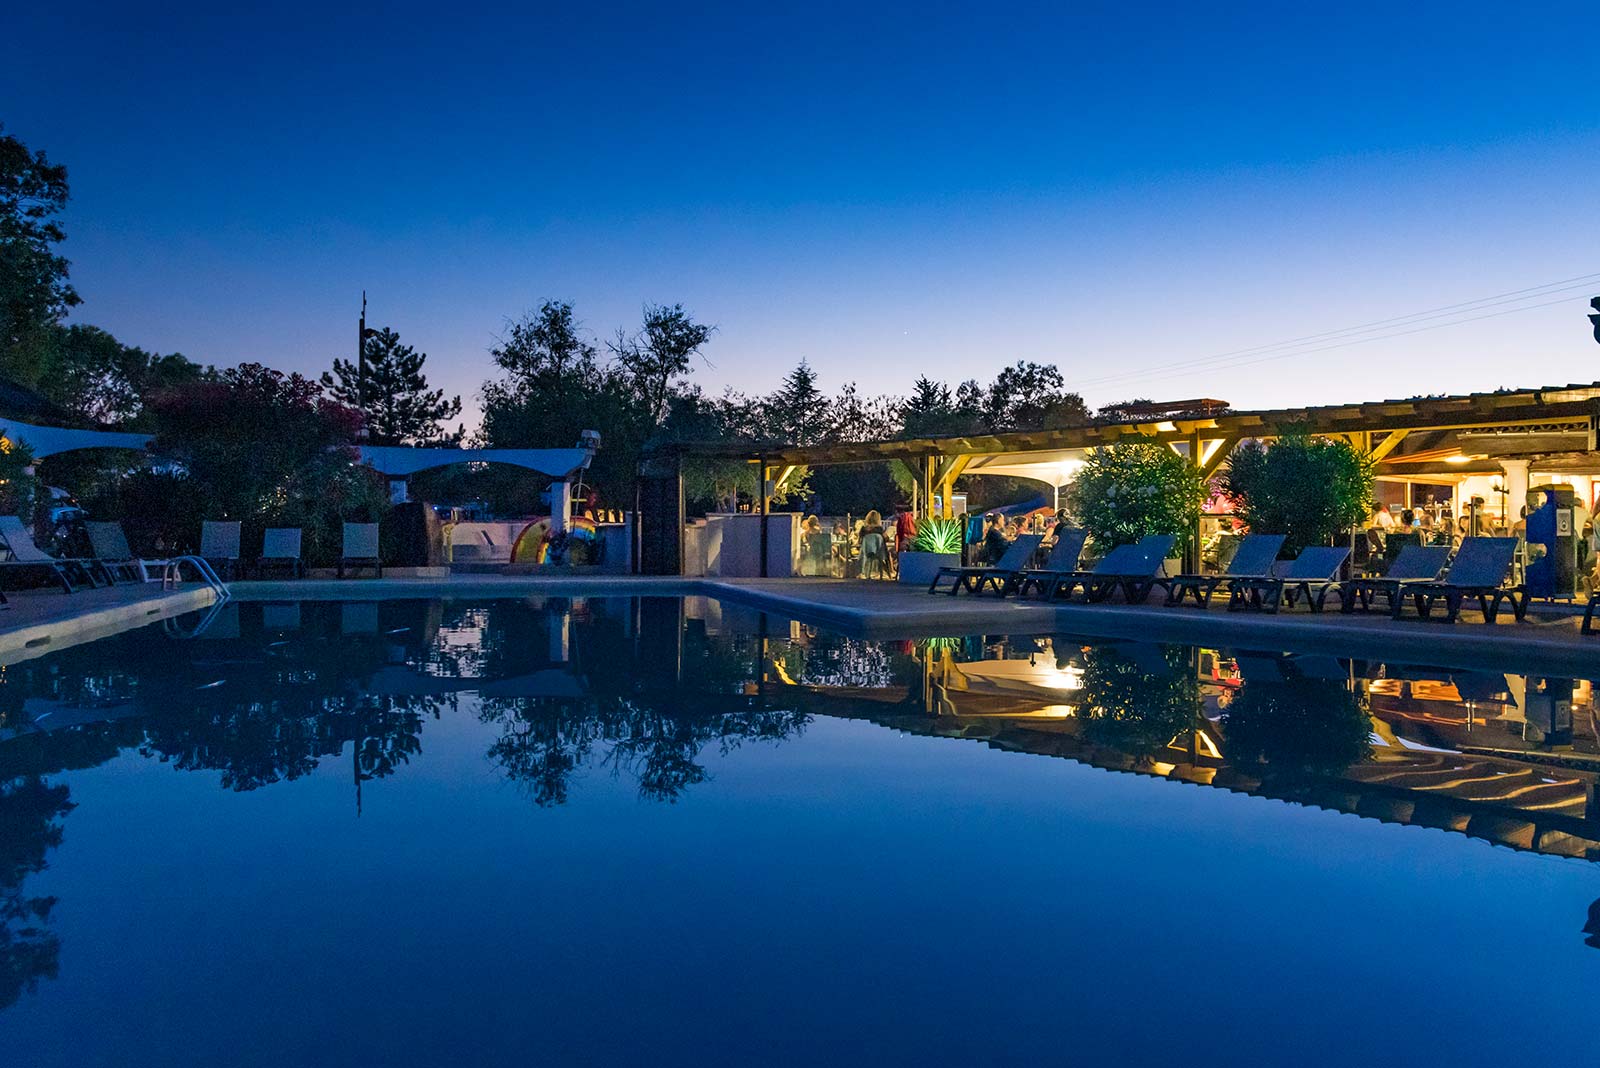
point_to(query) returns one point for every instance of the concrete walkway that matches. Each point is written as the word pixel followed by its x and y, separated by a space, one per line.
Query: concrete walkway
pixel 36 622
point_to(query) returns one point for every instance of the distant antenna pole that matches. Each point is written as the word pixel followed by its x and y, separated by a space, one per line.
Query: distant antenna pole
pixel 361 355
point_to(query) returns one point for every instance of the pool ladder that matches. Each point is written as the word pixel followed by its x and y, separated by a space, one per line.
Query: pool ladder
pixel 172 574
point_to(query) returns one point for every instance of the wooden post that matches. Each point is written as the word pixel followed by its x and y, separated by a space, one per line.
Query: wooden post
pixel 1191 552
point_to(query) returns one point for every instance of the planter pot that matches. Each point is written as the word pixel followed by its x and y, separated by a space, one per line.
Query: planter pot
pixel 919 568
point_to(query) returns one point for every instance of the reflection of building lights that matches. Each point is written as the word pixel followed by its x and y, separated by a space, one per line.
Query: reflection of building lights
pixel 1058 711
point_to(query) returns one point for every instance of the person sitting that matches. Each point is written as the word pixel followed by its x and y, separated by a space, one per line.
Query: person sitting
pixel 874 546
pixel 996 541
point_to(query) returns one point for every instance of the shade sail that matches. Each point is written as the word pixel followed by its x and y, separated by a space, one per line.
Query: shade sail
pixel 401 460
pixel 45 441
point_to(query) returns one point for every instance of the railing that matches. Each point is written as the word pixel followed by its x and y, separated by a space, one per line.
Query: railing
pixel 172 574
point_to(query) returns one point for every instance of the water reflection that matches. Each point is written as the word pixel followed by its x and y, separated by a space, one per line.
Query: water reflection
pixel 262 695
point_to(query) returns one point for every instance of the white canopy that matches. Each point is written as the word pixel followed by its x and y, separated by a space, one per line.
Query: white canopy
pixel 45 441
pixel 399 461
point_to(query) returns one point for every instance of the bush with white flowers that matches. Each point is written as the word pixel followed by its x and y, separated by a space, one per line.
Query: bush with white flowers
pixel 1135 487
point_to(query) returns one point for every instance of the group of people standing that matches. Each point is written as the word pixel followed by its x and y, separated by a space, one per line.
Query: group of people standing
pixel 869 549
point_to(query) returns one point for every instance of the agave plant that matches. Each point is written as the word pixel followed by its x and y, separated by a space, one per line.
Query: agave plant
pixel 937 536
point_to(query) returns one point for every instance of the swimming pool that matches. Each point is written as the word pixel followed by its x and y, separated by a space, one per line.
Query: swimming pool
pixel 611 830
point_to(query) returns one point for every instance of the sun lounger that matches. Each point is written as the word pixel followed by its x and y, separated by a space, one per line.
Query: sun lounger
pixel 111 549
pixel 280 548
pixel 1252 559
pixel 1479 570
pixel 20 551
pixel 111 552
pixel 1416 563
pixel 219 543
pixel 360 548
pixel 1310 575
pixel 1133 569
pixel 1061 560
pixel 1015 559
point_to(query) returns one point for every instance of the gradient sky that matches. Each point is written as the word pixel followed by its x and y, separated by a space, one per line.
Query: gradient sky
pixel 934 190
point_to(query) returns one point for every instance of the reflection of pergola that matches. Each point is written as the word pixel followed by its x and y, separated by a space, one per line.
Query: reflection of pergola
pixel 1442 438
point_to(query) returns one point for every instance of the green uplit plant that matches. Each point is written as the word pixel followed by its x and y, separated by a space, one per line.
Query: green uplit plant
pixel 937 536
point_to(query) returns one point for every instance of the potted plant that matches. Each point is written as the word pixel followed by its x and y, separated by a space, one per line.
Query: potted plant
pixel 937 544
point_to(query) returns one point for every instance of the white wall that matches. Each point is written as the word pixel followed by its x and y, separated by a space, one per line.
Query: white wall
pixel 732 545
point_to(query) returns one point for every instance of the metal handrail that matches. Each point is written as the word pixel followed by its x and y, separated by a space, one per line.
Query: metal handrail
pixel 172 574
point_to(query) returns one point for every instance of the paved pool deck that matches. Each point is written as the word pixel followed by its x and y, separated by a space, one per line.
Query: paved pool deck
pixel 35 622
pixel 1547 642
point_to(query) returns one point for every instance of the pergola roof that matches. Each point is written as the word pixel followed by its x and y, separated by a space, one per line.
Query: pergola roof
pixel 1041 452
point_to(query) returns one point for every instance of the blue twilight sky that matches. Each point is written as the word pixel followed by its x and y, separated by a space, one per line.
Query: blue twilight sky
pixel 936 189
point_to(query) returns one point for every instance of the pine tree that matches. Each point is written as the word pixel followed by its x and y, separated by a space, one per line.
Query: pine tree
pixel 797 413
pixel 393 397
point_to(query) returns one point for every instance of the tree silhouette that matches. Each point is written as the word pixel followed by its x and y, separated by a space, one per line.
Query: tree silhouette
pixel 392 393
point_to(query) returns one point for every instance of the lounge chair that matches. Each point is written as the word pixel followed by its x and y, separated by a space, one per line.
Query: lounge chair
pixel 219 543
pixel 1133 569
pixel 1416 563
pixel 1479 570
pixel 1253 558
pixel 110 545
pixel 20 551
pixel 360 548
pixel 280 548
pixel 1013 561
pixel 1061 560
pixel 111 552
pixel 1310 575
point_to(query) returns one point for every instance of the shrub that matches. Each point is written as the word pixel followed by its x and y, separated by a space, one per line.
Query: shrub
pixel 1307 489
pixel 261 447
pixel 937 536
pixel 1135 487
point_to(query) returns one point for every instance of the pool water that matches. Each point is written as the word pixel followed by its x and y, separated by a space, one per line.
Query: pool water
pixel 615 831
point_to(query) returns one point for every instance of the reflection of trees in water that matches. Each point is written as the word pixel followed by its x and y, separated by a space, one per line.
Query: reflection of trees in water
pixel 1137 700
pixel 1298 725
pixel 639 718
pixel 29 810
pixel 546 742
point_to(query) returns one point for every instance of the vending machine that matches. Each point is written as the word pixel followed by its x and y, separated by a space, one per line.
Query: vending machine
pixel 1552 543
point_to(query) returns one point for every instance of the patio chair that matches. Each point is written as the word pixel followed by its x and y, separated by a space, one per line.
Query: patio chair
pixel 874 556
pixel 111 550
pixel 20 551
pixel 1061 560
pixel 1310 575
pixel 1480 570
pixel 219 543
pixel 1588 613
pixel 280 548
pixel 1133 569
pixel 1013 561
pixel 1415 563
pixel 360 548
pixel 1252 558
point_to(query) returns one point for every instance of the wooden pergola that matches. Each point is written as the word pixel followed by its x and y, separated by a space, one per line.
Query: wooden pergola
pixel 1406 439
